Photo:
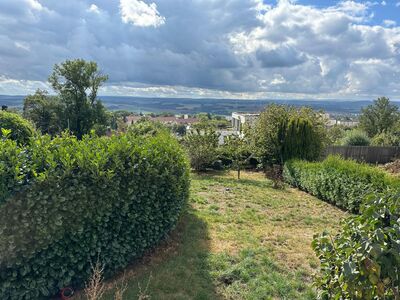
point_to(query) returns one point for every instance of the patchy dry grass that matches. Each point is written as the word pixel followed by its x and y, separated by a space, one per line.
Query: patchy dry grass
pixel 238 240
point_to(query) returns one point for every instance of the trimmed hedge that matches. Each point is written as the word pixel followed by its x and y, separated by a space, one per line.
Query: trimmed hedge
pixel 21 130
pixel 70 202
pixel 363 260
pixel 343 183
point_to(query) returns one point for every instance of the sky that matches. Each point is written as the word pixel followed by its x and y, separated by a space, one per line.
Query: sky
pixel 244 49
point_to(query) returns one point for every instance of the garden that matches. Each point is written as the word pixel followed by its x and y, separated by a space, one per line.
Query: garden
pixel 143 214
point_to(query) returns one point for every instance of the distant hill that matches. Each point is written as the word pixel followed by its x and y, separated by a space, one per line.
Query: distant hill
pixel 214 106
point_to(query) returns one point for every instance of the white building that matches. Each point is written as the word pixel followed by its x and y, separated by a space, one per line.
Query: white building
pixel 240 119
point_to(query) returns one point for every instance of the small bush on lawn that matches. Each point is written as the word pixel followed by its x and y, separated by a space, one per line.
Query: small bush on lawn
pixel 65 203
pixel 18 128
pixel 343 183
pixel 363 260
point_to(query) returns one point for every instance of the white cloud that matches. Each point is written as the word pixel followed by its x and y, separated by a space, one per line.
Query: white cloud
pixel 383 3
pixel 389 23
pixel 398 4
pixel 34 4
pixel 22 45
pixel 327 50
pixel 10 86
pixel 140 14
pixel 94 9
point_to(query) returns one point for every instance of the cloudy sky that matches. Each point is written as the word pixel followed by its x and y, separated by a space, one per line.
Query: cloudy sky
pixel 208 48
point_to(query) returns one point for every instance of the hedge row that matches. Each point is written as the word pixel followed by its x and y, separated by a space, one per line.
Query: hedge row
pixel 343 183
pixel 66 203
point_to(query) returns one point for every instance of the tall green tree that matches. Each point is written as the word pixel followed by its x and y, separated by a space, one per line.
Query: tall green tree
pixel 300 140
pixel 45 111
pixel 283 132
pixel 381 116
pixel 77 83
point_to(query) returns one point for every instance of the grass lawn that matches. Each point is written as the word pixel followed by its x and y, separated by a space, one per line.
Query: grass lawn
pixel 238 240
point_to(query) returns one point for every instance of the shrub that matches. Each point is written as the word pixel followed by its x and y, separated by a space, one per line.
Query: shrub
pixel 20 129
pixel 356 138
pixel 386 139
pixel 363 260
pixel 72 202
pixel 202 147
pixel 146 127
pixel 343 183
pixel 282 132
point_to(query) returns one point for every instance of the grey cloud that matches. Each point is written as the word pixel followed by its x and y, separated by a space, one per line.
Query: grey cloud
pixel 313 49
pixel 281 57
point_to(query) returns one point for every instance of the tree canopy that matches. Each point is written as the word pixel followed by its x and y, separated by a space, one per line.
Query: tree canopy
pixel 76 83
pixel 379 117
pixel 282 130
pixel 45 111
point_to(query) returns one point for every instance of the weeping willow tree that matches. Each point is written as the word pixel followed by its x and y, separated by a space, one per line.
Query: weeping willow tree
pixel 300 140
pixel 284 132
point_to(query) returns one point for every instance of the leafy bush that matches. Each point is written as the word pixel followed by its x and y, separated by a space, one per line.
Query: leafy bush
pixel 363 260
pixel 386 139
pixel 202 147
pixel 20 129
pixel 356 138
pixel 335 134
pixel 71 202
pixel 343 183
pixel 146 127
pixel 283 132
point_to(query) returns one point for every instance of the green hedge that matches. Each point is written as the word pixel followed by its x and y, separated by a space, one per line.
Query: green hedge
pixel 20 129
pixel 343 183
pixel 70 202
pixel 363 260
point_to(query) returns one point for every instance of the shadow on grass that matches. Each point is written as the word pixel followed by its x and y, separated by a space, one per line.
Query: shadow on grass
pixel 177 269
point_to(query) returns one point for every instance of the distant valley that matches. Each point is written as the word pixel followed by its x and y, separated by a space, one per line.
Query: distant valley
pixel 213 106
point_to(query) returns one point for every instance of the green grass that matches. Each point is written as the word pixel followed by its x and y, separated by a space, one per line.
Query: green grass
pixel 238 240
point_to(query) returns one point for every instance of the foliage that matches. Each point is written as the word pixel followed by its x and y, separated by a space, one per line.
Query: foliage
pixel 17 128
pixel 335 134
pixel 343 183
pixel 386 139
pixel 363 260
pixel 77 83
pixel 202 147
pixel 145 127
pixel 276 129
pixel 356 137
pixel 274 173
pixel 45 111
pixel 379 117
pixel 210 120
pixel 179 129
pixel 70 202
pixel 300 140
pixel 236 149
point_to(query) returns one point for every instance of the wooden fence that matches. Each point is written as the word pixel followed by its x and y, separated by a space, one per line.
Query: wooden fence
pixel 369 154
